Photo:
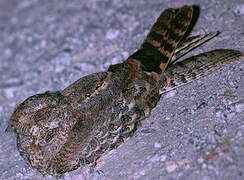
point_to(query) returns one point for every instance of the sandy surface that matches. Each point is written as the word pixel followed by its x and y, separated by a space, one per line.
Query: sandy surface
pixel 195 132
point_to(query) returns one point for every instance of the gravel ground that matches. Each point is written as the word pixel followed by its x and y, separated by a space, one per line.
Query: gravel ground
pixel 195 132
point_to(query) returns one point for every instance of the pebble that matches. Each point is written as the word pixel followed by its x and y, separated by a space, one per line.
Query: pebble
pixel 43 43
pixel 9 92
pixel 112 34
pixel 125 54
pixel 158 158
pixel 206 178
pixel 116 59
pixel 239 9
pixel 171 166
pixel 142 172
pixel 19 174
pixel 239 107
pixel 200 160
pixel 210 167
pixel 157 145
pixel 163 158
pixel 113 60
pixel 231 115
pixel 204 166
pixel 170 94
pixel 7 52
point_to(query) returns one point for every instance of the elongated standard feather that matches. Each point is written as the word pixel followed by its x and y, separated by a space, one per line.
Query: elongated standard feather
pixel 188 44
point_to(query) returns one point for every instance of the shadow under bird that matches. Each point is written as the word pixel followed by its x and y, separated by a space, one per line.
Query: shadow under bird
pixel 58 132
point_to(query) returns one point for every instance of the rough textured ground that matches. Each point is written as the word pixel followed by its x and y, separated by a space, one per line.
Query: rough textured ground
pixel 195 132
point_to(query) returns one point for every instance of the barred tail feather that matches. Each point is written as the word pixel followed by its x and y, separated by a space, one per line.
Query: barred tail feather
pixel 160 43
pixel 195 67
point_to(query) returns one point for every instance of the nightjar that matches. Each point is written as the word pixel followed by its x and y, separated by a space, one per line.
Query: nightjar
pixel 58 132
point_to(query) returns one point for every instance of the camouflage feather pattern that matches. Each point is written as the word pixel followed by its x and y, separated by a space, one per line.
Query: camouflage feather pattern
pixel 58 132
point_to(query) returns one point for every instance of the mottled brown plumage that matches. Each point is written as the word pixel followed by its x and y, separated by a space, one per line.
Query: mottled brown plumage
pixel 58 132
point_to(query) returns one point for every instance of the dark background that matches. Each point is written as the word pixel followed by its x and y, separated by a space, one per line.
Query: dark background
pixel 195 132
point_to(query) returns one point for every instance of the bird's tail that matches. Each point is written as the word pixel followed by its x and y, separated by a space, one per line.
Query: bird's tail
pixel 192 68
pixel 164 36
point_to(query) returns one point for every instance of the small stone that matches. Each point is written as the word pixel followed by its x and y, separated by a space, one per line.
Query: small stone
pixel 142 172
pixel 231 83
pixel 157 145
pixel 239 9
pixel 19 174
pixel 210 167
pixel 158 158
pixel 219 114
pixel 112 34
pixel 29 39
pixel 163 158
pixel 9 92
pixel 238 134
pixel 206 178
pixel 230 115
pixel 183 162
pixel 43 43
pixel 239 107
pixel 116 60
pixel 187 166
pixel 170 94
pixel 7 52
pixel 167 118
pixel 125 54
pixel 59 68
pixel 200 160
pixel 113 60
pixel 171 166
pixel 204 166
